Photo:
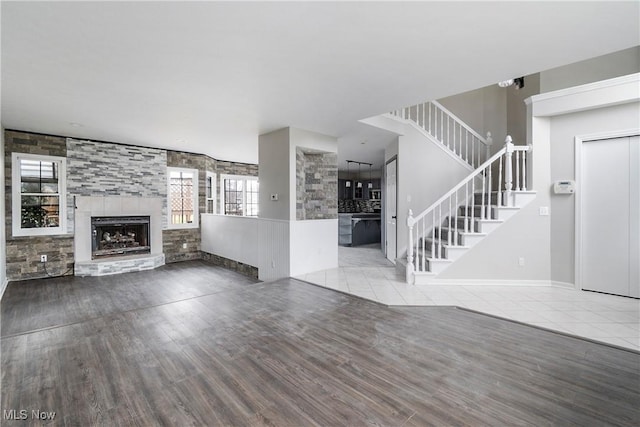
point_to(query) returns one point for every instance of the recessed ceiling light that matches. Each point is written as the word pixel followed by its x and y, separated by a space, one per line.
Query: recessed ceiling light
pixel 75 125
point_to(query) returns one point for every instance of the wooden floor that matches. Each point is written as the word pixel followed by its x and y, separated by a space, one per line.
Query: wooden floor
pixel 191 344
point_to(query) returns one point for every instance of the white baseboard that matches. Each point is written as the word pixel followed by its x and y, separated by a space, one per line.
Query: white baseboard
pixel 565 285
pixel 487 282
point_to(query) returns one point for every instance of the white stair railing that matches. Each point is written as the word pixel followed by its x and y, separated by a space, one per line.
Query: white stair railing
pixel 441 225
pixel 449 130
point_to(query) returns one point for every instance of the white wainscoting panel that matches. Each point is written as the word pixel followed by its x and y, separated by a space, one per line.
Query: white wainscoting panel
pixel 314 245
pixel 273 241
pixel 231 237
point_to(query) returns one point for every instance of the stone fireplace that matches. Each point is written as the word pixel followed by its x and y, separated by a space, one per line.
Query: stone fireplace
pixel 117 234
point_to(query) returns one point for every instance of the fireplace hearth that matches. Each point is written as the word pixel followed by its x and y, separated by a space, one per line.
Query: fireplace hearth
pixel 119 236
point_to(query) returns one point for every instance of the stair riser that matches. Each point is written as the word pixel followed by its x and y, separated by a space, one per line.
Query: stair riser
pixel 443 235
pixel 477 211
pixel 477 198
pixel 463 222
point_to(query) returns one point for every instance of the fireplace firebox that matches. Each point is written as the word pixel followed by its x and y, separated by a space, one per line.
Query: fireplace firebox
pixel 119 236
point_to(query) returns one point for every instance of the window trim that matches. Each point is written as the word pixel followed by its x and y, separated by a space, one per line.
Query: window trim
pixel 212 176
pixel 16 196
pixel 245 178
pixel 196 208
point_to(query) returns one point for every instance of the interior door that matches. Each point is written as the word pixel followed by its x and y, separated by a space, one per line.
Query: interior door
pixel 610 210
pixel 390 210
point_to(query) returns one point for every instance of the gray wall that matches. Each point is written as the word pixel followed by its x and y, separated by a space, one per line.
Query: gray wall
pixel 604 67
pixel 564 128
pixel 484 110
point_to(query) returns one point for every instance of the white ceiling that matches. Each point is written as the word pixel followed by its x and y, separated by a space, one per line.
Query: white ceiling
pixel 209 77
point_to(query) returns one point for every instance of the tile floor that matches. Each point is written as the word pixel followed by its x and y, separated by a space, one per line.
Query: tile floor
pixel 365 272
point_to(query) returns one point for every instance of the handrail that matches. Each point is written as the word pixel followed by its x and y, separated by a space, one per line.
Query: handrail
pixel 445 226
pixel 447 129
pixel 469 177
pixel 464 125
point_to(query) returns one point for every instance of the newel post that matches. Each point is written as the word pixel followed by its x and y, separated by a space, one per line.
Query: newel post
pixel 410 223
pixel 508 173
pixel 488 150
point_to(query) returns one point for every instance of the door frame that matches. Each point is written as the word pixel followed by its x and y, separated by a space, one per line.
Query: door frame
pixel 386 200
pixel 579 140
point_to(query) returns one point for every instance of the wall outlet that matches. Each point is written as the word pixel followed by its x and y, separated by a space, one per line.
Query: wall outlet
pixel 184 246
pixel 43 258
pixel 544 210
pixel 521 261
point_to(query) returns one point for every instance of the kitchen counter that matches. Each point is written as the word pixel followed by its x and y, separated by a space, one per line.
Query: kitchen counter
pixel 356 229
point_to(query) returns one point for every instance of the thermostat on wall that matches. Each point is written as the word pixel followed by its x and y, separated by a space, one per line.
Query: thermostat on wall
pixel 564 187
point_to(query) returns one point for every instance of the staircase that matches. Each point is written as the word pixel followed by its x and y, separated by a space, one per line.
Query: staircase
pixel 442 126
pixel 466 214
pixel 494 191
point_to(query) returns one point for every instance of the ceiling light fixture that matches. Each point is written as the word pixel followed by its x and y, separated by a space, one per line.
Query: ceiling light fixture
pixel 370 184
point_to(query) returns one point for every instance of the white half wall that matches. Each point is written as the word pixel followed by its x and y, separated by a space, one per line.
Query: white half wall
pixel 277 248
pixel 314 245
pixel 231 237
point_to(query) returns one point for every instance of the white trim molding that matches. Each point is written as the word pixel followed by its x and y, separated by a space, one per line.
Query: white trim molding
pixel 605 93
pixel 16 208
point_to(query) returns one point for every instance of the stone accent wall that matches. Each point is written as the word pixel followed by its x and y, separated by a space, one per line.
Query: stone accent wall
pixel 107 169
pixel 23 253
pixel 316 185
pixel 245 269
pixel 173 240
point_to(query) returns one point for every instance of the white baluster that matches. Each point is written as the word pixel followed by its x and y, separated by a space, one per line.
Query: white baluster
pixel 433 233
pixel 440 232
pixel 524 168
pixel 488 213
pixel 430 119
pixel 410 222
pixel 467 222
pixel 488 149
pixel 473 198
pixel 424 244
pixel 466 149
pixel 500 182
pixel 518 170
pixel 508 178
pixel 449 227
pixel 484 178
pixel 424 116
pixel 455 217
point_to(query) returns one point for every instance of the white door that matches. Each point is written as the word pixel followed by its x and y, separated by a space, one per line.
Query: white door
pixel 390 211
pixel 610 209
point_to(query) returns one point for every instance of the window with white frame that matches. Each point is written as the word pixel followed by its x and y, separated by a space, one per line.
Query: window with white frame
pixel 239 195
pixel 210 192
pixel 38 190
pixel 183 197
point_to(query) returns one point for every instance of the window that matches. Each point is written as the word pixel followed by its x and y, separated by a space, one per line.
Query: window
pixel 38 203
pixel 210 192
pixel 183 198
pixel 239 195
